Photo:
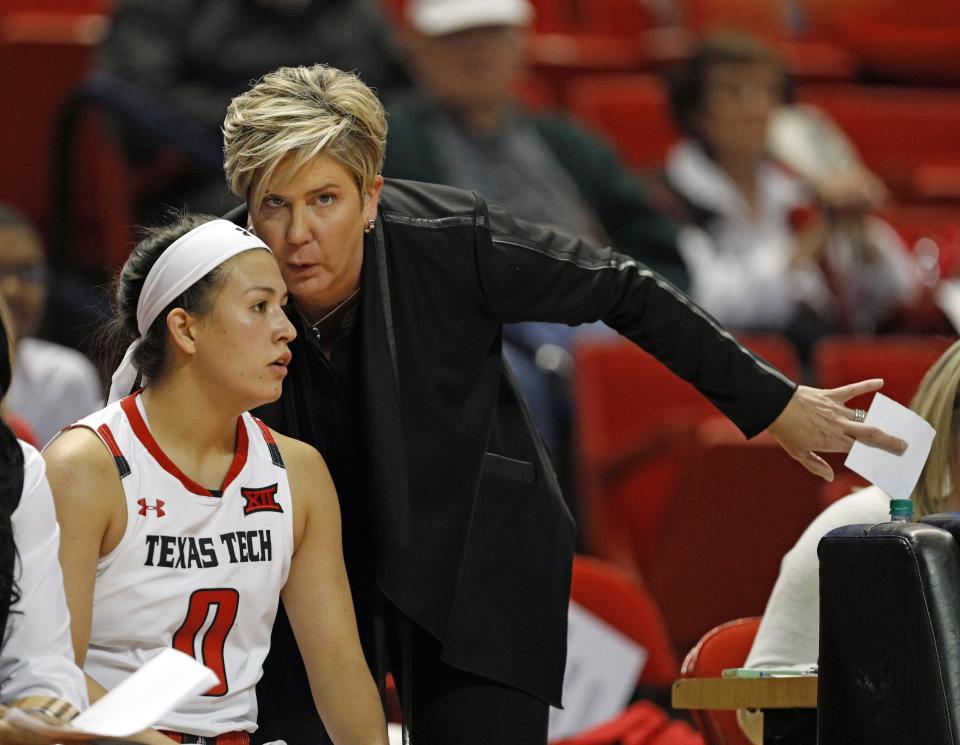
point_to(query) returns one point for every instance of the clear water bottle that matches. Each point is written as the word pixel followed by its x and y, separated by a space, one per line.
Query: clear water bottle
pixel 901 510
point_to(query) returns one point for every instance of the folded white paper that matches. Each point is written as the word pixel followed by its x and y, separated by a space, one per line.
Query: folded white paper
pixel 602 670
pixel 896 475
pixel 137 703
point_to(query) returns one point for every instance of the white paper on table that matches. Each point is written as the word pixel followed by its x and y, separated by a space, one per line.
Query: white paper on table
pixel 137 703
pixel 603 667
pixel 896 475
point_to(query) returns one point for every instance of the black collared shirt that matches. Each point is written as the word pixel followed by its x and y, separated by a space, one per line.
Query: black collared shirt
pixel 331 352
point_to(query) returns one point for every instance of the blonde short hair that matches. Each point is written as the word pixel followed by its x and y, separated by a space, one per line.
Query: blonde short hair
pixel 937 400
pixel 294 114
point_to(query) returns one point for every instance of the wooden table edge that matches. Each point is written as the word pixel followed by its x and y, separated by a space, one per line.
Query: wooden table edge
pixel 789 692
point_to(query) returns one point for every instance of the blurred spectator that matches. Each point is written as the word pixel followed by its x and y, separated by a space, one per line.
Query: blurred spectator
pixel 463 126
pixel 186 59
pixel 18 425
pixel 52 385
pixel 773 251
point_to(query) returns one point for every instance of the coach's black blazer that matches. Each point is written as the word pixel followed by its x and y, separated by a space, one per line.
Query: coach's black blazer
pixel 473 539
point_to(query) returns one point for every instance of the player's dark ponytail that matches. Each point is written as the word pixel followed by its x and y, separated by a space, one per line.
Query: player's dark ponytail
pixel 11 486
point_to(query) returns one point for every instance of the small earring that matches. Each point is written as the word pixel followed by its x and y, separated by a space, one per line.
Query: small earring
pixel 371 224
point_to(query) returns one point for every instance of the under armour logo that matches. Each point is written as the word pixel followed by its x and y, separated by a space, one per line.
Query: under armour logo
pixel 260 500
pixel 244 231
pixel 158 507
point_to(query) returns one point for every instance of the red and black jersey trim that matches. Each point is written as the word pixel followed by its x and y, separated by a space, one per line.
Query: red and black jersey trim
pixel 142 432
pixel 123 466
pixel 107 438
pixel 271 444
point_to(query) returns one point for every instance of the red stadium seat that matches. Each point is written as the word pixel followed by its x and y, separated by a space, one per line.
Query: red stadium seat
pixel 907 54
pixel 909 136
pixel 625 18
pixel 826 16
pixel 52 53
pixel 558 58
pixel 916 42
pixel 66 7
pixel 46 60
pixel 631 111
pixel 724 646
pixel 736 509
pixel 901 361
pixel 759 17
pixel 806 58
pixel 625 604
pixel 635 426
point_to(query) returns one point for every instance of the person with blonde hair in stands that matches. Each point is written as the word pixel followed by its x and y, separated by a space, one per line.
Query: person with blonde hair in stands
pixel 457 540
pixel 789 633
pixel 185 519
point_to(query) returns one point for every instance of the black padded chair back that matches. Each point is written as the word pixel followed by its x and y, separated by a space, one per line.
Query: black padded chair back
pixel 949 521
pixel 889 636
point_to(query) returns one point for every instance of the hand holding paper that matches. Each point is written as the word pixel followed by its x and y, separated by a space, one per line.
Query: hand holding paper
pixel 818 421
pixel 135 704
pixel 896 475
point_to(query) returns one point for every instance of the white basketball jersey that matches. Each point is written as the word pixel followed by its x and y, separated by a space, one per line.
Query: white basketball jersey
pixel 195 570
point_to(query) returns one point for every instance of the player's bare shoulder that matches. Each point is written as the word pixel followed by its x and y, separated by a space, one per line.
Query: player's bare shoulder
pixel 298 456
pixel 83 477
pixel 80 454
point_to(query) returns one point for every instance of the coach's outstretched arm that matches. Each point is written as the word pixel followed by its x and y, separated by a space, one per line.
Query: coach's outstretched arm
pixel 531 273
pixel 318 603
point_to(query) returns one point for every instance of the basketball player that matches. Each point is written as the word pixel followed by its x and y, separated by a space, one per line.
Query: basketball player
pixel 185 519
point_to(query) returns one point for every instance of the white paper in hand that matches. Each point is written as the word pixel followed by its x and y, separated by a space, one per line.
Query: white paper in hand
pixel 137 703
pixel 896 475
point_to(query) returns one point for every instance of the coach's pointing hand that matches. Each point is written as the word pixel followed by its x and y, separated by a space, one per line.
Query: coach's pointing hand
pixel 817 420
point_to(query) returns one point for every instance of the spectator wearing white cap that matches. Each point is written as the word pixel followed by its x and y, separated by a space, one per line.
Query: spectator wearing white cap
pixel 464 127
pixel 439 17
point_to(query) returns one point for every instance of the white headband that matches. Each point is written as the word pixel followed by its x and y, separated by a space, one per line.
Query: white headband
pixel 187 260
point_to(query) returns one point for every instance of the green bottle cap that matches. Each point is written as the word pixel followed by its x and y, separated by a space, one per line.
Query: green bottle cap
pixel 901 507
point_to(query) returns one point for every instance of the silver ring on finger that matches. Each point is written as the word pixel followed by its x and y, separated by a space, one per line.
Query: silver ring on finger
pixel 859 415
